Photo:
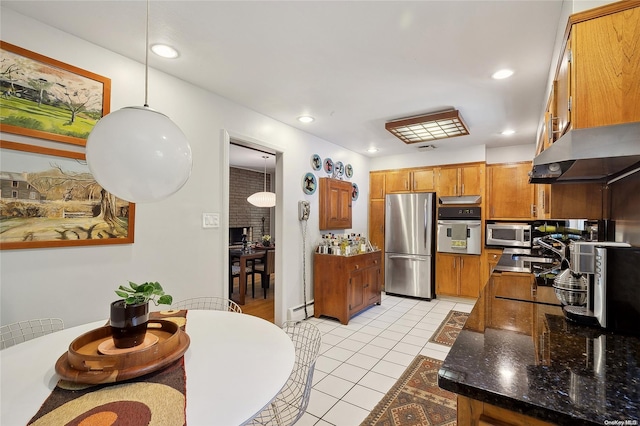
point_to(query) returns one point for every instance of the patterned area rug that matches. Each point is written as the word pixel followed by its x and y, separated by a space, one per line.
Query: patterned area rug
pixel 448 331
pixel 416 399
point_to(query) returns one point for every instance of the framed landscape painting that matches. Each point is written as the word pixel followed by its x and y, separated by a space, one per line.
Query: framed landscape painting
pixel 44 98
pixel 49 198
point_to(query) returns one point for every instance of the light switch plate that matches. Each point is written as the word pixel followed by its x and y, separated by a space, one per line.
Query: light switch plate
pixel 210 220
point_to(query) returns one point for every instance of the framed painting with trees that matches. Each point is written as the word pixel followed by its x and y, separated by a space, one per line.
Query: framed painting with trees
pixel 49 198
pixel 44 98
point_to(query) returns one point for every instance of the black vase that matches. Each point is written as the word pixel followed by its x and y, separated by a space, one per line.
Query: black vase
pixel 128 323
pixel 266 243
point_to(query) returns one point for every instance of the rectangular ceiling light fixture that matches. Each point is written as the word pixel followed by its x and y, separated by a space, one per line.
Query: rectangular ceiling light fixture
pixel 440 125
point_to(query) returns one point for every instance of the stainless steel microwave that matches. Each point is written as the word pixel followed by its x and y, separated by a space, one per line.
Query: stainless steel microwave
pixel 508 234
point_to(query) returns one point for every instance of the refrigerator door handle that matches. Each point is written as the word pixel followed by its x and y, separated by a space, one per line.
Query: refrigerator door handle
pixel 426 221
pixel 408 256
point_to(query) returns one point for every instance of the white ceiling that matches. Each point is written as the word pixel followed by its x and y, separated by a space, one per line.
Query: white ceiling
pixel 353 65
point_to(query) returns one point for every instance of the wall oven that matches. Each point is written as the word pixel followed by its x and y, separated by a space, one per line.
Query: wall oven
pixel 459 230
pixel 508 234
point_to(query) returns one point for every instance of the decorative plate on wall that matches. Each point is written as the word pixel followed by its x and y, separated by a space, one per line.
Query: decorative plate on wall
pixel 328 165
pixel 309 183
pixel 355 191
pixel 348 170
pixel 316 162
pixel 339 171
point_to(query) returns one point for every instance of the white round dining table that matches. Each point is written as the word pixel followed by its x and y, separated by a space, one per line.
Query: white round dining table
pixel 235 365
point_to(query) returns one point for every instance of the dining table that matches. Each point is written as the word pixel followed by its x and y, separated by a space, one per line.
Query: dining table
pixel 225 384
pixel 242 256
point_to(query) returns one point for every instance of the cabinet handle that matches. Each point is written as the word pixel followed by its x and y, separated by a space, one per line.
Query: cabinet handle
pixel 454 263
pixel 461 263
pixel 462 190
pixel 406 184
pixel 533 210
pixel 357 266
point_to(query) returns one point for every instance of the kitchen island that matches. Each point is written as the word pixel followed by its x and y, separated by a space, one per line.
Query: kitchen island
pixel 517 360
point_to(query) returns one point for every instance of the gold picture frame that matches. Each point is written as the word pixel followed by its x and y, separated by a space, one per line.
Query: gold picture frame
pixel 44 98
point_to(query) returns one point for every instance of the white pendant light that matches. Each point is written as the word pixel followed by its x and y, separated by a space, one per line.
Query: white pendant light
pixel 264 198
pixel 138 154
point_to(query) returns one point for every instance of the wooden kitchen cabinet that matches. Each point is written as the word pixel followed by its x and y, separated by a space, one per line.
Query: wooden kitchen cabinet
pixel 458 180
pixel 509 192
pixel 376 222
pixel 377 185
pixel 492 257
pixel 597 75
pixel 475 412
pixel 346 285
pixel 398 181
pixel 423 180
pixel 410 180
pixel 457 275
pixel 502 313
pixel 572 200
pixel 563 92
pixel 376 230
pixel 335 204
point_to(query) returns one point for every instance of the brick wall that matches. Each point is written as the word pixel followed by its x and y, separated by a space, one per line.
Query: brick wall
pixel 242 214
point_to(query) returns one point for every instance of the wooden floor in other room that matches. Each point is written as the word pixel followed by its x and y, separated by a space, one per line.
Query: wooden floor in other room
pixel 258 306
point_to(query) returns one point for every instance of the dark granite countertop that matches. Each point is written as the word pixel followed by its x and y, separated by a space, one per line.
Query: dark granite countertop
pixel 517 351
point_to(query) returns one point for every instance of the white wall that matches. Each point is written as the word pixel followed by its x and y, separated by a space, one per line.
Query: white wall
pixel 430 158
pixel 170 246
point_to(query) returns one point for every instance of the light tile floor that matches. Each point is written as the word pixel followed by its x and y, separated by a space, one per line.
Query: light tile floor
pixel 361 361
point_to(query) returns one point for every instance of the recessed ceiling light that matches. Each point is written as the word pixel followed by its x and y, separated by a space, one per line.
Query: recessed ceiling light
pixel 508 132
pixel 499 75
pixel 305 119
pixel 373 149
pixel 164 51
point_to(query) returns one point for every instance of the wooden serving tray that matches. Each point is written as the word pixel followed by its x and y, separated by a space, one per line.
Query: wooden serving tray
pixel 83 363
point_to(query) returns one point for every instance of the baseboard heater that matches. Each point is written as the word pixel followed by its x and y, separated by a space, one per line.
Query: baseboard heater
pixel 297 312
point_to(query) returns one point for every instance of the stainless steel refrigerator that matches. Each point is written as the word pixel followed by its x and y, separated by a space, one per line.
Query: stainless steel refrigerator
pixel 410 244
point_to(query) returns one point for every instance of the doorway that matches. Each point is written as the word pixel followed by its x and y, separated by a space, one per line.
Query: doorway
pixel 252 168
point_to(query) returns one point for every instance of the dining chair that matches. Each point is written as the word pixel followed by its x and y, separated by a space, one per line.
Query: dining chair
pixel 234 271
pixel 18 332
pixel 292 401
pixel 265 269
pixel 208 303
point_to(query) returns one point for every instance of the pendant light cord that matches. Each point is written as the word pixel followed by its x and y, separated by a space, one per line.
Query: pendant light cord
pixel 146 60
pixel 265 172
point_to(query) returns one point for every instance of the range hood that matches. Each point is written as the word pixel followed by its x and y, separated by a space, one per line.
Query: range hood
pixel 461 199
pixel 597 154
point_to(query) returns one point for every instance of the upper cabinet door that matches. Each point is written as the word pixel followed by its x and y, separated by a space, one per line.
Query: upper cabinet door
pixel 376 185
pixel 447 181
pixel 398 181
pixel 424 180
pixel 335 204
pixel 563 92
pixel 510 194
pixel 471 180
pixel 606 69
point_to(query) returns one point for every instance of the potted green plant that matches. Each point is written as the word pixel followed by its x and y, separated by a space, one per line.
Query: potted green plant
pixel 266 240
pixel 129 315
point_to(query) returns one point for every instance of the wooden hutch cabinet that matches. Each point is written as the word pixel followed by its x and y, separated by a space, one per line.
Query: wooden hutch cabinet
pixel 346 285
